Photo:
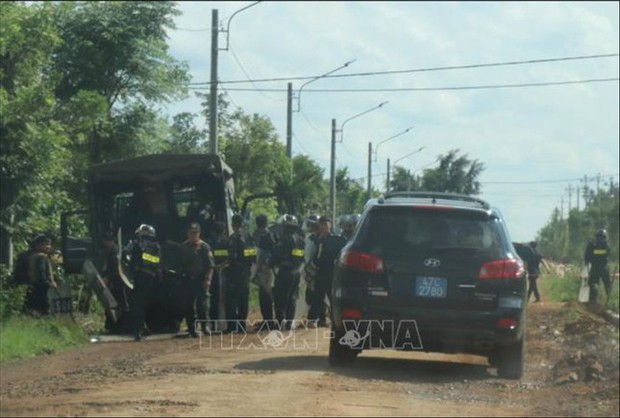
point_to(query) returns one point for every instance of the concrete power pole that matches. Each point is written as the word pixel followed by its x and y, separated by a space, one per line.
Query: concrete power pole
pixel 332 178
pixel 369 170
pixel 213 149
pixel 387 183
pixel 289 122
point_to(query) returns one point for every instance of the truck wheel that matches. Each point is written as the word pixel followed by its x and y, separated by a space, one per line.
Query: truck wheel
pixel 511 361
pixel 341 354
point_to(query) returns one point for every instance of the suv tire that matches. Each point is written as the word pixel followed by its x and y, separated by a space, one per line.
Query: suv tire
pixel 511 360
pixel 341 355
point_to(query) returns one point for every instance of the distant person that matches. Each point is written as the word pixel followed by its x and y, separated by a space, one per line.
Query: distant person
pixel 533 271
pixel 264 276
pixel 34 269
pixel 328 249
pixel 596 257
pixel 237 292
pixel 288 259
pixel 197 265
pixel 144 263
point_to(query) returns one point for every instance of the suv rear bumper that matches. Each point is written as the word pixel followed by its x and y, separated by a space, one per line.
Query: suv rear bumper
pixel 446 330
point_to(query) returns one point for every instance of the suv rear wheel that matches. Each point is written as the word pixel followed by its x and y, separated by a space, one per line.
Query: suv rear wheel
pixel 510 361
pixel 340 354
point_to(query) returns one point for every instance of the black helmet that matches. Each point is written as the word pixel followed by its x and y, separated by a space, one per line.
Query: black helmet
pixel 601 234
pixel 261 220
pixel 237 220
pixel 310 223
pixel 145 230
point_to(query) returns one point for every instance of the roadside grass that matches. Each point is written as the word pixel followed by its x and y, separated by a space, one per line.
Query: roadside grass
pixel 23 336
pixel 566 289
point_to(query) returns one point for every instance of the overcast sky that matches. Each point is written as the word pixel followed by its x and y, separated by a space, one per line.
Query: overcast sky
pixel 534 141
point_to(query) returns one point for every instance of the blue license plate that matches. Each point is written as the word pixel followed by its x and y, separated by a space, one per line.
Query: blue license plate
pixel 431 287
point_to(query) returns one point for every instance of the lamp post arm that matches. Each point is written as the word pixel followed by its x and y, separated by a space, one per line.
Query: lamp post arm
pixel 346 64
pixel 230 18
pixel 358 115
pixel 386 140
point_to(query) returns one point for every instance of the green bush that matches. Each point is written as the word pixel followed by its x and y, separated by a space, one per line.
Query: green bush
pixel 11 296
pixel 24 336
pixel 566 289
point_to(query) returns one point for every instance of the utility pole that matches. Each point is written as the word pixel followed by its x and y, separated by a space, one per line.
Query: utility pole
pixel 387 183
pixel 569 197
pixel 332 171
pixel 289 123
pixel 562 208
pixel 213 149
pixel 369 170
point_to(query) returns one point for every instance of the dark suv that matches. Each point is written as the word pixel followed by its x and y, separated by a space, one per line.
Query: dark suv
pixel 432 272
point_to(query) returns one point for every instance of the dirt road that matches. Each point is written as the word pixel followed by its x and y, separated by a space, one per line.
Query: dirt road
pixel 571 370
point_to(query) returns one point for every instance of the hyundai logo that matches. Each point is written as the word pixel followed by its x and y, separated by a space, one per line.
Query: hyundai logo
pixel 432 262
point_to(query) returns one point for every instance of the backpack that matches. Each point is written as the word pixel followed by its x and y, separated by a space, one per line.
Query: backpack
pixel 21 271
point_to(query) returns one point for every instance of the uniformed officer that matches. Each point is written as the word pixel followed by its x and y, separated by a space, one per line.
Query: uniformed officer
pixel 219 246
pixel 144 257
pixel 197 266
pixel 329 246
pixel 597 256
pixel 264 276
pixel 40 277
pixel 241 254
pixel 288 258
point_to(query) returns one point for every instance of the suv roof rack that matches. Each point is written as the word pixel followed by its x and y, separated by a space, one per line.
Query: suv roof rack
pixel 435 196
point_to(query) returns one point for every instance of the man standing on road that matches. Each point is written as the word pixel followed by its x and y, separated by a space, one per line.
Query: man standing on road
pixel 264 277
pixel 237 291
pixel 196 271
pixel 144 262
pixel 288 258
pixel 40 276
pixel 533 271
pixel 597 257
pixel 329 246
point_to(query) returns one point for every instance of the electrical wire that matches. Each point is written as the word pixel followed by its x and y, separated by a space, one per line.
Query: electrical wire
pixel 452 88
pixel 430 69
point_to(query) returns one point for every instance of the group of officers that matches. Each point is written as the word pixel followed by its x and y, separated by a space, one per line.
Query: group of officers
pixel 275 258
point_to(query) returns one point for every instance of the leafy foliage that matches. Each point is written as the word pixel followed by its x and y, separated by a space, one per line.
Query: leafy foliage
pixel 455 174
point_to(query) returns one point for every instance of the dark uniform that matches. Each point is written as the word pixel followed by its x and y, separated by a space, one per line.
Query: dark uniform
pixel 597 255
pixel 196 265
pixel 39 277
pixel 533 271
pixel 145 254
pixel 264 276
pixel 288 257
pixel 219 247
pixel 328 249
pixel 241 254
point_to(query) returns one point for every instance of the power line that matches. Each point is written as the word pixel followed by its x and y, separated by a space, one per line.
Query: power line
pixel 417 70
pixel 479 87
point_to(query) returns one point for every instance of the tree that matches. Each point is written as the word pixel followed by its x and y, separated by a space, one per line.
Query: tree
pixel 351 195
pixel 32 146
pixel 455 174
pixel 403 180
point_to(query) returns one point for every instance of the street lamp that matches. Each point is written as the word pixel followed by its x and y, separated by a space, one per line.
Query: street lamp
pixel 213 90
pixel 387 189
pixel 289 108
pixel 332 182
pixel 370 152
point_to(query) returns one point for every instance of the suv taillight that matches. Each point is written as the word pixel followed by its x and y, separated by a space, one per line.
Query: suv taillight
pixel 361 261
pixel 502 269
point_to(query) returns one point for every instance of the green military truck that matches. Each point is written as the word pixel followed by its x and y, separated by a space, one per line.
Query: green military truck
pixel 167 191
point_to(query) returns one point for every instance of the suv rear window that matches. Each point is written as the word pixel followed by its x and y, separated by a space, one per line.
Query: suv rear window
pixel 408 229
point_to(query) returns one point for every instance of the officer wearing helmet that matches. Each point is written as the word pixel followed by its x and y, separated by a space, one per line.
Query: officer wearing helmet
pixel 288 258
pixel 597 257
pixel 144 255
